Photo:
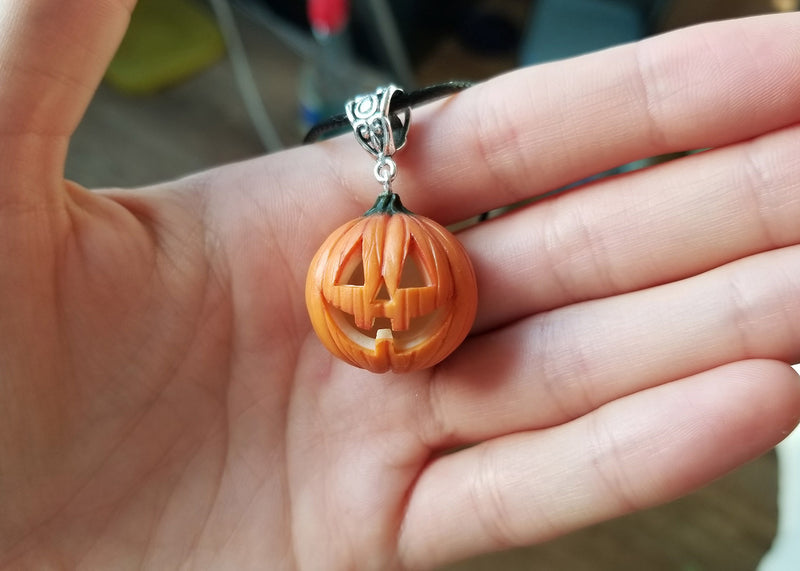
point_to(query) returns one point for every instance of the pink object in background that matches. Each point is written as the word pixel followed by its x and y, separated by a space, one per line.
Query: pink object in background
pixel 328 16
pixel 330 77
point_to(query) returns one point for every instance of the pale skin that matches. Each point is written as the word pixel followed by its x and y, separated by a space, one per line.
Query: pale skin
pixel 164 403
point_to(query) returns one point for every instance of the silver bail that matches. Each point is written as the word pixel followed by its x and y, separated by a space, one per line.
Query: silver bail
pixel 377 130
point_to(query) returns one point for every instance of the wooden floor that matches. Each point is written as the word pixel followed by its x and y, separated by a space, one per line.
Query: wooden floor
pixel 126 141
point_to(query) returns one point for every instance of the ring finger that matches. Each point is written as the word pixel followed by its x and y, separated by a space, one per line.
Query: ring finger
pixel 556 366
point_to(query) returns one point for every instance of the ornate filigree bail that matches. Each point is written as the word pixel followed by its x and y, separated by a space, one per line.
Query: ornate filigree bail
pixel 380 132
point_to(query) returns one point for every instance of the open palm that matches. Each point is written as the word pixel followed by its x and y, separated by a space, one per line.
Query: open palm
pixel 164 403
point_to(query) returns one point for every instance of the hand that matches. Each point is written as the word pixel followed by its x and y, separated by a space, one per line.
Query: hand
pixel 164 403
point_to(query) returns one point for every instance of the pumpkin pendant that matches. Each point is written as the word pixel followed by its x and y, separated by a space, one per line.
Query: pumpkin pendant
pixel 391 290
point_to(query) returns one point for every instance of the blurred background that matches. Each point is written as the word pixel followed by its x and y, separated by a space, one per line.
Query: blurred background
pixel 198 83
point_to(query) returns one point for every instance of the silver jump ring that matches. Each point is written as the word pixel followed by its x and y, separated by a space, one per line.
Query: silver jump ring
pixel 385 170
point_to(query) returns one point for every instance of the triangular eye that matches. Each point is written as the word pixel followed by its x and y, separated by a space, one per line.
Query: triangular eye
pixel 413 273
pixel 356 277
pixel 352 270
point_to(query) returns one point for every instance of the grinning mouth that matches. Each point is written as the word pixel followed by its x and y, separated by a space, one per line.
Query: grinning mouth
pixel 419 330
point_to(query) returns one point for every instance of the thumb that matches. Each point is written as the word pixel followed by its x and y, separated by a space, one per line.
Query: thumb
pixel 52 56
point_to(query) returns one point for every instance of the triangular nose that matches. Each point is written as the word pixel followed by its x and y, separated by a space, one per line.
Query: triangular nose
pixel 383 292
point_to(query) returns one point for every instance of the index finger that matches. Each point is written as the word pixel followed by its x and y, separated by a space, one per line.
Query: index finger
pixel 538 129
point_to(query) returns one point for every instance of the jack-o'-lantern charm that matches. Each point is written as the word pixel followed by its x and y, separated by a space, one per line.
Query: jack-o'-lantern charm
pixel 390 290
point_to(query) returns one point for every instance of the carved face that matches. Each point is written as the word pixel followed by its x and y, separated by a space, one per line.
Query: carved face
pixel 391 291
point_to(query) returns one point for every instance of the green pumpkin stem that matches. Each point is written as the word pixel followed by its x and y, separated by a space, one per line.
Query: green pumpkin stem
pixel 388 203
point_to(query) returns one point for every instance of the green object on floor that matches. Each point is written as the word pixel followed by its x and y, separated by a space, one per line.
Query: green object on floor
pixel 167 42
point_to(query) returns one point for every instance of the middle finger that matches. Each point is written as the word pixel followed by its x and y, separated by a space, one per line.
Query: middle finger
pixel 639 230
